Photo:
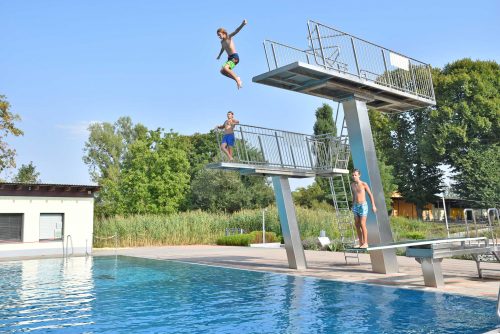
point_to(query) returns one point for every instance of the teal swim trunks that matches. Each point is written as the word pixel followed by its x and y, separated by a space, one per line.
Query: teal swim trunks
pixel 360 209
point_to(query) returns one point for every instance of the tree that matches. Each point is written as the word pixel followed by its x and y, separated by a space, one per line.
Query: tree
pixel 217 190
pixel 107 146
pixel 324 121
pixel 416 167
pixel 466 125
pixel 155 174
pixel 27 174
pixel 324 125
pixel 478 171
pixel 382 128
pixel 7 126
pixel 310 196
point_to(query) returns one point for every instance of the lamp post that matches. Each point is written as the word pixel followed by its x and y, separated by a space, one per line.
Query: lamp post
pixel 264 225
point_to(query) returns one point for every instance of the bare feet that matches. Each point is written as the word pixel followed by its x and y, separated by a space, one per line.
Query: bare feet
pixel 239 83
pixel 364 246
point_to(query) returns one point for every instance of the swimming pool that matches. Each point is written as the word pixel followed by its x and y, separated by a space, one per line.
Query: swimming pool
pixel 134 295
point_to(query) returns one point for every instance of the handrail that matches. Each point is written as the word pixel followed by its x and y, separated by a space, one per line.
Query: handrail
pixel 473 219
pixel 341 52
pixel 68 238
pixel 360 39
pixel 285 149
pixel 498 304
pixel 491 224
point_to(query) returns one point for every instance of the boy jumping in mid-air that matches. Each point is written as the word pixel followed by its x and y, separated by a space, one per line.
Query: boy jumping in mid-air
pixel 360 207
pixel 228 138
pixel 233 59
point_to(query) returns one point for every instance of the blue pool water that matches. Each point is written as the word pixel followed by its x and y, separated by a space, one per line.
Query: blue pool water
pixel 132 295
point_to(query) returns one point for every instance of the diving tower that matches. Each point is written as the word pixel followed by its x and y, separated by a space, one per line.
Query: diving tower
pixel 360 75
pixel 282 155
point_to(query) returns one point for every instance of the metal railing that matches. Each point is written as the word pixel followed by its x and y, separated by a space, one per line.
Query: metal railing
pixel 276 148
pixel 338 51
pixel 65 246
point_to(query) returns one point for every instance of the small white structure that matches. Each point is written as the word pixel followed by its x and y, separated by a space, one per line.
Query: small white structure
pixel 46 219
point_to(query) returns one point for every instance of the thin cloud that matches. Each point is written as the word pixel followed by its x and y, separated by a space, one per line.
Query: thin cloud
pixel 77 130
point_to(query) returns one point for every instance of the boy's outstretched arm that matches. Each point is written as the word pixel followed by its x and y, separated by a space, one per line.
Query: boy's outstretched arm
pixel 239 28
pixel 374 208
pixel 220 53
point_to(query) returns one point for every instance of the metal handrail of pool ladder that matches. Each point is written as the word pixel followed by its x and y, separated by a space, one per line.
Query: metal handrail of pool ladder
pixel 65 249
pixel 498 304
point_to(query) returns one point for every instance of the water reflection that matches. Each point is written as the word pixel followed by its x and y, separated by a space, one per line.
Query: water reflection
pixel 131 295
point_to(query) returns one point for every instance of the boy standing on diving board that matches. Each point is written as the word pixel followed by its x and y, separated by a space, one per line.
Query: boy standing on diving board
pixel 227 44
pixel 360 207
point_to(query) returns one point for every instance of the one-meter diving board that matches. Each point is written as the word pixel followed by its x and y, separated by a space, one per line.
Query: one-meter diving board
pixel 430 253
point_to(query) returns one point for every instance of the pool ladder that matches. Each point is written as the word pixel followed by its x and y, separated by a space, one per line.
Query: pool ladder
pixel 69 239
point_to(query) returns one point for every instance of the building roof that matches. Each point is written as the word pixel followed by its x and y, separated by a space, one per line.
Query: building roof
pixel 47 190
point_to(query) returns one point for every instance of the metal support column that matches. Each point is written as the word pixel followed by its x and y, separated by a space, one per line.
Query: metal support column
pixel 288 221
pixel 365 159
pixel 433 274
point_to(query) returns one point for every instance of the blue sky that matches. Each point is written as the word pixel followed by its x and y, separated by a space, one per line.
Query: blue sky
pixel 65 64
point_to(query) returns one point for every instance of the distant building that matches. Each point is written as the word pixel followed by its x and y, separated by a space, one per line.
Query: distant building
pixel 432 211
pixel 46 219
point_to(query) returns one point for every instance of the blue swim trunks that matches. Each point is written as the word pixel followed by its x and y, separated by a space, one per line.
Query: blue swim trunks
pixel 360 209
pixel 228 139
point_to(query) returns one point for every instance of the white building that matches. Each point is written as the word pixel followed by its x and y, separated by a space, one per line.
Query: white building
pixel 46 219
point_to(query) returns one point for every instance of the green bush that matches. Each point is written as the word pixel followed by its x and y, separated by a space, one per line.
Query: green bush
pixel 204 228
pixel 257 237
pixel 311 243
pixel 414 235
pixel 235 240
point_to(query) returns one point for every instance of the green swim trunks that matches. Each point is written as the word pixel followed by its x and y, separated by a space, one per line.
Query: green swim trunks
pixel 230 63
pixel 232 60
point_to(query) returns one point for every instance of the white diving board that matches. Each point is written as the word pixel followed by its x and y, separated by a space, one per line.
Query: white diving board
pixel 413 243
pixel 430 253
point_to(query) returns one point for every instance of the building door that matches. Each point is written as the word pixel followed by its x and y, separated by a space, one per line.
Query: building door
pixel 11 226
pixel 51 226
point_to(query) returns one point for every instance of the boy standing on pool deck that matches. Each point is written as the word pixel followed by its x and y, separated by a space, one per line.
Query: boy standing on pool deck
pixel 360 207
pixel 228 138
pixel 233 59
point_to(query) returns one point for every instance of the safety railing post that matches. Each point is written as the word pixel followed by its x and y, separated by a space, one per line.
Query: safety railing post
pixel 261 149
pixel 321 46
pixel 243 145
pixel 279 148
pixel 355 57
pixel 267 57
pixel 309 153
pixel 274 55
pixel 412 71
pixel 387 74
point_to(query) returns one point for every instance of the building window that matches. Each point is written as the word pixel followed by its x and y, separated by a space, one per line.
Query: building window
pixel 11 226
pixel 51 226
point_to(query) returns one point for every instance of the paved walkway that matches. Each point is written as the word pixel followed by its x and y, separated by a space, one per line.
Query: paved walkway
pixel 460 275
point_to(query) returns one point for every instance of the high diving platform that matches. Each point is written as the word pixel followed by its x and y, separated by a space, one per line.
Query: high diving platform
pixel 337 65
pixel 359 75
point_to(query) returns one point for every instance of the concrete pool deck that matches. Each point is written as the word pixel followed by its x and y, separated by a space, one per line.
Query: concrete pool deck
pixel 460 275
